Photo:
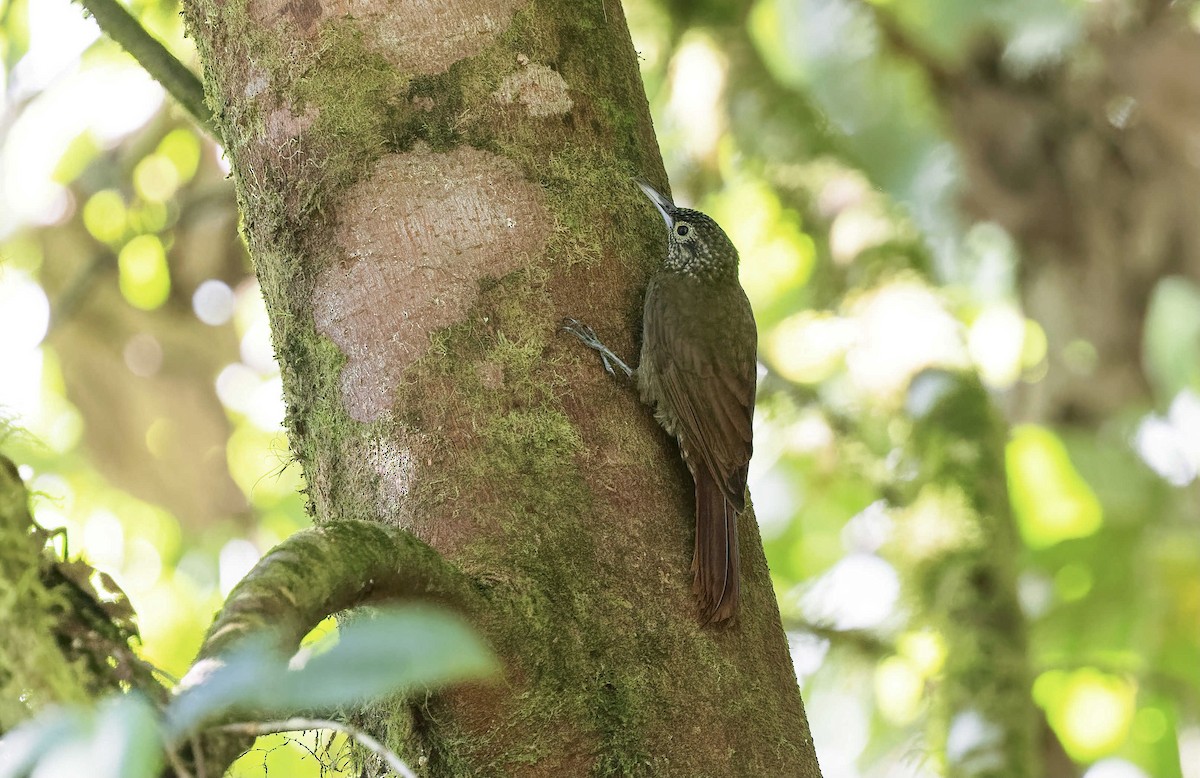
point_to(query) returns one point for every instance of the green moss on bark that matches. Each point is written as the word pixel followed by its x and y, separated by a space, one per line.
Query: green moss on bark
pixel 34 672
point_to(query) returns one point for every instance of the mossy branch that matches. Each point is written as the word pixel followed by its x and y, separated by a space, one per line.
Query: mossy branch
pixel 314 574
pixel 180 82
pixel 859 641
pixel 328 569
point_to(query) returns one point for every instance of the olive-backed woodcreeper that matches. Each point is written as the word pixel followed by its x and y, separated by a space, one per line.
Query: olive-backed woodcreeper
pixel 698 370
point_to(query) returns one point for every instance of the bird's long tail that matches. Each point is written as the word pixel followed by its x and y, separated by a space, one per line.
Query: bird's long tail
pixel 716 579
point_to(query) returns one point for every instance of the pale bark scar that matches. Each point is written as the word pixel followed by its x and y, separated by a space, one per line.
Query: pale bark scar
pixel 417 36
pixel 417 235
pixel 540 89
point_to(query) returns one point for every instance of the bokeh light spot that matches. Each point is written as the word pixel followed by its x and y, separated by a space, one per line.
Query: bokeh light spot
pixel 1150 725
pixel 1090 710
pixel 996 342
pixel 143 565
pixel 155 178
pixel 926 650
pixel 213 302
pixel 105 216
pixel 1034 347
pixel 160 437
pixel 1073 581
pixel 697 78
pixel 809 347
pixel 1114 768
pixel 859 592
pixel 149 216
pixel 145 279
pixel 143 355
pixel 237 557
pixel 1051 500
pixel 24 314
pixel 257 350
pixel 903 328
pixel 235 386
pixel 104 540
pixel 182 148
pixel 898 689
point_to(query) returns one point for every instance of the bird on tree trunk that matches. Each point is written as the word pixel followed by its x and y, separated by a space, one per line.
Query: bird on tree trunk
pixel 698 370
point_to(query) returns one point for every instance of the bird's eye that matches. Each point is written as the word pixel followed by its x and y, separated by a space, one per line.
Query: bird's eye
pixel 682 230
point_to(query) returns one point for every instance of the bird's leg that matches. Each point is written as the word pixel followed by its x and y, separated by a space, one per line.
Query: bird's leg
pixel 588 337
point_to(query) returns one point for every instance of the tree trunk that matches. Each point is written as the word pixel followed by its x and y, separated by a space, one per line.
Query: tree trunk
pixel 1092 169
pixel 427 189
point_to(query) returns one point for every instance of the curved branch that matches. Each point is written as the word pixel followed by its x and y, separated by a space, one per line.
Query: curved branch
pixel 182 84
pixel 324 570
pixel 312 575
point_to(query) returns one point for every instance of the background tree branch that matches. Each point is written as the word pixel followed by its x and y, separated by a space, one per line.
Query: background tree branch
pixel 180 82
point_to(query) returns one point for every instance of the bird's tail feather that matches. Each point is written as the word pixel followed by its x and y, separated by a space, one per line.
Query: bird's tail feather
pixel 716 580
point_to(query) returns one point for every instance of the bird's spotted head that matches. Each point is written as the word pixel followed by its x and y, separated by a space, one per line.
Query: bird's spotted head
pixel 696 245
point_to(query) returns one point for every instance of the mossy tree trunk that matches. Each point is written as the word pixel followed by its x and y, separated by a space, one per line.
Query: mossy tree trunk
pixel 1090 165
pixel 427 189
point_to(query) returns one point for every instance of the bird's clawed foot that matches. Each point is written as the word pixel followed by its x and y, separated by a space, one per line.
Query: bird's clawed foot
pixel 587 336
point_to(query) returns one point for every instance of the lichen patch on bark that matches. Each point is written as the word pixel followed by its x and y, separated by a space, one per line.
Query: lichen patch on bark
pixel 257 81
pixel 417 235
pixel 284 127
pixel 541 90
pixel 393 463
pixel 418 36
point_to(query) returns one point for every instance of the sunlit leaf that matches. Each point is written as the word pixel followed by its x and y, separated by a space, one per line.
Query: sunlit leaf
pixel 310 754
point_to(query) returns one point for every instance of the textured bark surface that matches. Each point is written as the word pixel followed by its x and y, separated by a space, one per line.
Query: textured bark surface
pixel 424 202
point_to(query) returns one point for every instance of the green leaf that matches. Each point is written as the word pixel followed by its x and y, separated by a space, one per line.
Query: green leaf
pixel 401 650
pixel 1171 337
pixel 396 650
pixel 119 739
pixel 21 748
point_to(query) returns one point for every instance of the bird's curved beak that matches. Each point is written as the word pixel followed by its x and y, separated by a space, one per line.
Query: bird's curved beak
pixel 664 206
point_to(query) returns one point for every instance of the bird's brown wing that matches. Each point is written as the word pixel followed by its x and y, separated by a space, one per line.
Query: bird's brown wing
pixel 711 395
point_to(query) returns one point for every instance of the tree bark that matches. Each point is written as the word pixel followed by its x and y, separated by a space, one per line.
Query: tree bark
pixel 427 189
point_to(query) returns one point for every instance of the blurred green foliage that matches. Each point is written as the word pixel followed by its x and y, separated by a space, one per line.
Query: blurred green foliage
pixel 393 651
pixel 819 133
